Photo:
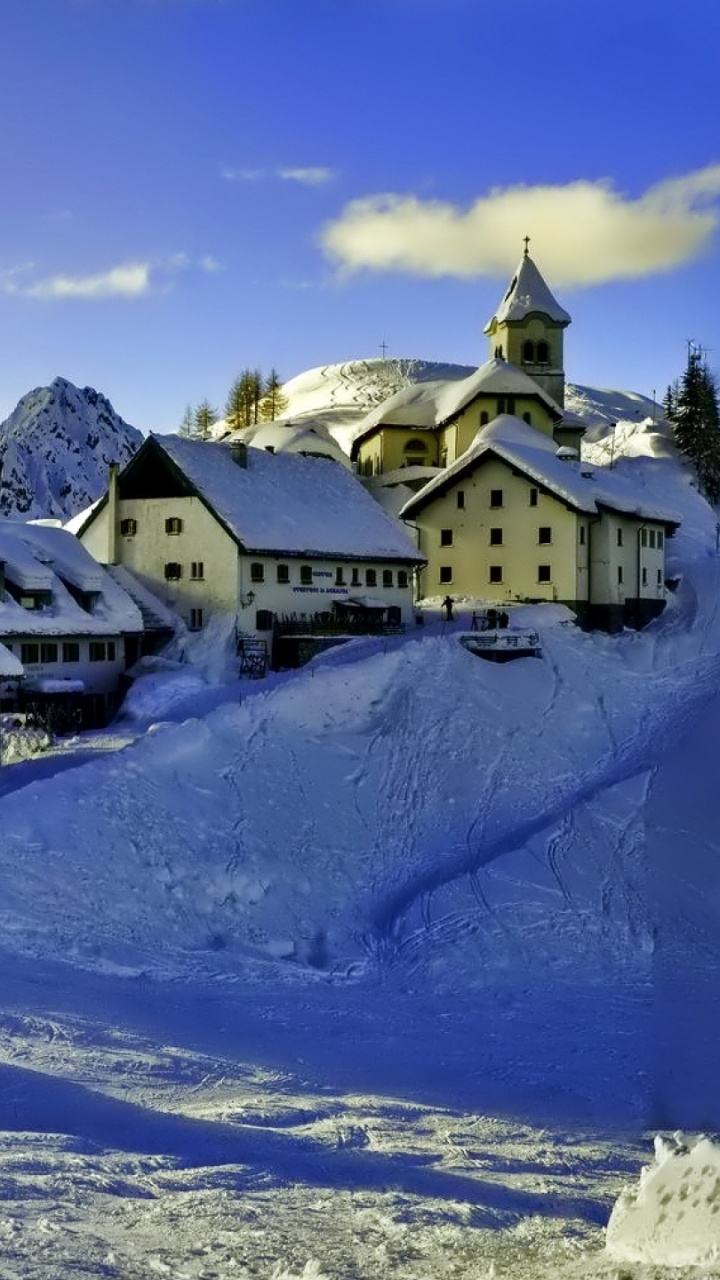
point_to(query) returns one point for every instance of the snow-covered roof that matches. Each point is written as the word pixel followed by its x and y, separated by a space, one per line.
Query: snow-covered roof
pixel 10 666
pixel 49 560
pixel 528 293
pixel 535 455
pixel 306 436
pixel 430 404
pixel 287 504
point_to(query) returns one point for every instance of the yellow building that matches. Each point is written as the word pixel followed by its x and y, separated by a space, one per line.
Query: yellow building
pixel 511 520
pixel 431 424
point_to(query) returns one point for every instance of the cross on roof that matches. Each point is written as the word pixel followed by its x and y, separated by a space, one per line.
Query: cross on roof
pixel 383 347
pixel 527 242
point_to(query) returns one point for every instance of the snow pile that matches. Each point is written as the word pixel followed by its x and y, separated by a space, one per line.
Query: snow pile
pixel 19 742
pixel 672 1218
pixel 55 450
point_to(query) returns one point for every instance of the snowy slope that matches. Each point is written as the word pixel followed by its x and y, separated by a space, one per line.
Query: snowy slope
pixel 55 449
pixel 339 395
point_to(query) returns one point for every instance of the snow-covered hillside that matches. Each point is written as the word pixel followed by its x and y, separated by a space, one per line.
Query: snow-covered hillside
pixel 55 449
pixel 339 395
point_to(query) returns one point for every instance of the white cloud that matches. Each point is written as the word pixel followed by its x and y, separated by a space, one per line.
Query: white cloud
pixel 582 233
pixel 312 177
pixel 130 281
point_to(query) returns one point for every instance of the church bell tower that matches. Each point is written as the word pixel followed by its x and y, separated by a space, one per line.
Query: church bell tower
pixel 527 329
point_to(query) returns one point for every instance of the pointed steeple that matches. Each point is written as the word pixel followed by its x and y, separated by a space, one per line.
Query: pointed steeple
pixel 527 328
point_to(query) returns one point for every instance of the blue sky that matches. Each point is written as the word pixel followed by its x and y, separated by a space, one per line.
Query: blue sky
pixel 195 186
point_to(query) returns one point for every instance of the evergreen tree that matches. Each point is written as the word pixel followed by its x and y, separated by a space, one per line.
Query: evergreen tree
pixel 273 403
pixel 670 400
pixel 205 417
pixel 187 426
pixel 696 420
pixel 242 408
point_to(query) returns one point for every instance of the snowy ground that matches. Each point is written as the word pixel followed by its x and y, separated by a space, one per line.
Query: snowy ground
pixel 392 967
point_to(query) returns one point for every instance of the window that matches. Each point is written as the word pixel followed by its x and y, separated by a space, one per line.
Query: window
pixel 619 574
pixel 496 537
pixel 484 418
pixel 528 352
pixel 402 577
pixel 527 417
pixel 173 571
pixel 282 573
pixel 543 573
pixel 445 573
pixel 582 535
pixel 306 575
pixel 644 577
pixel 659 577
pixel 619 537
pixel 70 651
pixel 387 577
pixel 196 619
pixel 128 528
pixel 446 537
pixel 643 537
pixel 257 571
pixel 29 653
pixel 652 537
pixel 496 497
pixel 111 650
pixel 371 577
pixel 533 497
pixel 173 524
pixel 544 534
pixel 339 576
pixel 264 620
pixel 506 404
pixel 460 496
pixel 495 574
pixel 48 653
pixel 660 539
pixel 355 578
pixel 543 353
pixel 197 570
pixel 97 650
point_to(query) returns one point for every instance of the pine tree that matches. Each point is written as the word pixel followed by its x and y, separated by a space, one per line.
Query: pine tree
pixel 670 400
pixel 244 400
pixel 696 420
pixel 205 417
pixel 235 408
pixel 187 426
pixel 273 403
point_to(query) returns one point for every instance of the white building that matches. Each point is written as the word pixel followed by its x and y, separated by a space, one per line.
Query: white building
pixel 268 538
pixel 67 626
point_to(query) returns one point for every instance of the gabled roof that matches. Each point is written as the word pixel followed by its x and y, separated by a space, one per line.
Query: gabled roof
pixel 528 451
pixel 49 560
pixel 432 404
pixel 279 503
pixel 302 435
pixel 527 293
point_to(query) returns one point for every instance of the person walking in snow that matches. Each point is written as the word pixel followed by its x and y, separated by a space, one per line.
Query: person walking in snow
pixel 447 605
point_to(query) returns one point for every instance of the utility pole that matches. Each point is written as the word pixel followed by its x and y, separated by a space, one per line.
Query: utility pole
pixel 612 426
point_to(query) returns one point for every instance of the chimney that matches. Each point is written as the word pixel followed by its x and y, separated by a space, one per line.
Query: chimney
pixel 238 452
pixel 113 513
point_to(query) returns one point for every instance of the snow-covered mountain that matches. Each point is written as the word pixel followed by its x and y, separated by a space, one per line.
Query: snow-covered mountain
pixel 337 396
pixel 55 449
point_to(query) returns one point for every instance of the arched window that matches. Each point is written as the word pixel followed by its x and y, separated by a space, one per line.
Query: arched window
pixel 543 353
pixel 415 451
pixel 484 418
pixel 527 417
pixel 528 352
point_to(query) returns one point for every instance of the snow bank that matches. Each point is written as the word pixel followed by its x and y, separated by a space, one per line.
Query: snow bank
pixel 672 1218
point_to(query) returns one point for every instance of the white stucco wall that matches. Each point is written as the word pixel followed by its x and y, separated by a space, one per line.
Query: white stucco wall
pixel 97 677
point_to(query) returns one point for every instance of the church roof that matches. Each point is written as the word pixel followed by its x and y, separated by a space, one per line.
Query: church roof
pixel 527 293
pixel 430 404
pixel 535 455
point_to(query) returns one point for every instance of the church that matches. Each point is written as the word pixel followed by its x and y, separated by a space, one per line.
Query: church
pixel 504 509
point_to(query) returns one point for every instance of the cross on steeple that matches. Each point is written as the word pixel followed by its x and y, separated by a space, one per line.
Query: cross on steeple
pixel 527 242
